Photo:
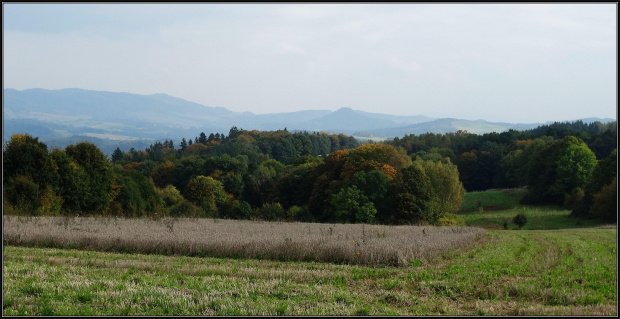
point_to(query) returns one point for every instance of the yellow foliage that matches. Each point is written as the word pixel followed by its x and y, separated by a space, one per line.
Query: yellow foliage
pixel 19 138
pixel 50 202
pixel 444 221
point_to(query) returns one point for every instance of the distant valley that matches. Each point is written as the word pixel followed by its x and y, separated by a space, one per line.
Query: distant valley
pixel 111 119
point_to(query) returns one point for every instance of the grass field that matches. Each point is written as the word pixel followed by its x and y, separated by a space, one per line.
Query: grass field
pixel 492 200
pixel 556 272
pixel 569 269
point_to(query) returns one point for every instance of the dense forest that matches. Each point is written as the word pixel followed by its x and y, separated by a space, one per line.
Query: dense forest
pixel 301 176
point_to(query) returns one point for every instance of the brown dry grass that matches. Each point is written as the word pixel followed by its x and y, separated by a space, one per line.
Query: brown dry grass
pixel 339 243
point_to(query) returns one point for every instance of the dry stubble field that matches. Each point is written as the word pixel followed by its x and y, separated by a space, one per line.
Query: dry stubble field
pixel 339 243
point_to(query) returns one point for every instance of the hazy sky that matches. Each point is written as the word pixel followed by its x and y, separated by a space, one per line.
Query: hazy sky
pixel 499 62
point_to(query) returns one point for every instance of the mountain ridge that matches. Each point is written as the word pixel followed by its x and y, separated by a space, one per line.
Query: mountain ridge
pixel 58 114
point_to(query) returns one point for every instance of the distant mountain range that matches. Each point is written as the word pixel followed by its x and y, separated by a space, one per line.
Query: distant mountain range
pixel 64 116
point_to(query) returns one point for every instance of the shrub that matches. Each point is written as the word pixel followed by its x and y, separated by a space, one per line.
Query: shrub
pixel 271 211
pixel 22 192
pixel 183 209
pixel 451 220
pixel 520 220
pixel 292 212
pixel 605 203
pixel 115 209
pixel 304 215
pixel 51 202
pixel 574 200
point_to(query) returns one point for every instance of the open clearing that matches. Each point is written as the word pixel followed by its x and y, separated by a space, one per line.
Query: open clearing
pixel 556 272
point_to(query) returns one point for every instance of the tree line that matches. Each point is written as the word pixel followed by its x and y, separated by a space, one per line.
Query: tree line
pixel 301 176
pixel 568 164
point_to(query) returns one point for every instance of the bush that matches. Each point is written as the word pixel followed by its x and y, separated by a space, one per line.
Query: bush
pixel 271 211
pixel 304 215
pixel 520 220
pixel 51 202
pixel 451 220
pixel 22 193
pixel 115 209
pixel 183 209
pixel 574 200
pixel 292 213
pixel 605 203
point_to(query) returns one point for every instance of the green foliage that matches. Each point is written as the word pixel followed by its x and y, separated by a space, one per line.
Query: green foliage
pixel 367 183
pixel 137 195
pixel 238 210
pixel 184 209
pixel 163 174
pixel 72 182
pixel 605 203
pixel 206 192
pixel 556 169
pixel 270 211
pixel 296 184
pixel 101 189
pixel 351 205
pixel 373 184
pixel 51 202
pixel 24 155
pixel 604 173
pixel 292 213
pixel 520 220
pixel 408 198
pixel 574 167
pixel 117 156
pixel 23 193
pixel 170 195
pixel 446 189
pixel 451 220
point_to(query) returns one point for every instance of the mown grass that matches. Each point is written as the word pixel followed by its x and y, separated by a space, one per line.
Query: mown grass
pixel 556 272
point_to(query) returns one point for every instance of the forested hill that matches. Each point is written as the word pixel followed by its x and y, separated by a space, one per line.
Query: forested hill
pixel 491 160
pixel 301 176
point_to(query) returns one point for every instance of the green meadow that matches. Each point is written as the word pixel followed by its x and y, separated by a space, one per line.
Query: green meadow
pixel 495 209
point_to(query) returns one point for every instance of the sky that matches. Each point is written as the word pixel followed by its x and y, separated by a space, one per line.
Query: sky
pixel 516 63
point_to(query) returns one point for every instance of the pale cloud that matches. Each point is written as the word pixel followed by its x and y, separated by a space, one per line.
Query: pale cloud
pixel 400 64
pixel 307 11
pixel 286 48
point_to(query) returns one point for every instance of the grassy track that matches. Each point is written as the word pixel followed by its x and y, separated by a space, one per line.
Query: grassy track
pixel 555 272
